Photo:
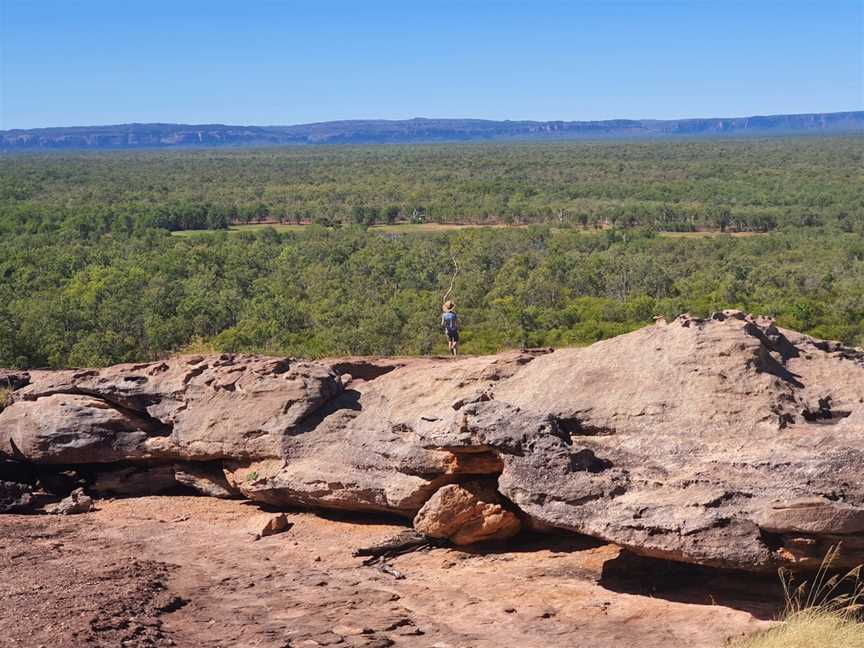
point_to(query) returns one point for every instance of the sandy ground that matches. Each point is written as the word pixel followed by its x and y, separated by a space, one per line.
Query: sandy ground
pixel 184 571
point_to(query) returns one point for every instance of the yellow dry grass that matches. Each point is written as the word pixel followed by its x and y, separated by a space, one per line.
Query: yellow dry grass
pixel 5 396
pixel 810 630
pixel 822 613
pixel 198 345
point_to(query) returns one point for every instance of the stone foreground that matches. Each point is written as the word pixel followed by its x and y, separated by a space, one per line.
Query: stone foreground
pixel 726 442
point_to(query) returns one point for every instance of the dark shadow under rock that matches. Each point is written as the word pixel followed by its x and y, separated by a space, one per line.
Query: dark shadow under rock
pixel 758 594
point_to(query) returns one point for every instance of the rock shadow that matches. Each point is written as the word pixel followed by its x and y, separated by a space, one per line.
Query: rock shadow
pixel 363 369
pixel 769 365
pixel 363 518
pixel 760 595
pixel 348 400
pixel 532 542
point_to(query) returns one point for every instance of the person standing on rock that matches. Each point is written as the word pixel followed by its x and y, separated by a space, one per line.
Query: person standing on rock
pixel 450 322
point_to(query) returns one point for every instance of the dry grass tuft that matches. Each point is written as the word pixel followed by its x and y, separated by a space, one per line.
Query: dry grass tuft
pixel 822 613
pixel 5 397
pixel 810 630
pixel 198 345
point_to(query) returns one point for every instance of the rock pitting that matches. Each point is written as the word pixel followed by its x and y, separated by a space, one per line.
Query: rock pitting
pixel 726 442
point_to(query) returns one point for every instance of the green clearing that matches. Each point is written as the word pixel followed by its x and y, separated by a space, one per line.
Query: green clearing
pixel 436 228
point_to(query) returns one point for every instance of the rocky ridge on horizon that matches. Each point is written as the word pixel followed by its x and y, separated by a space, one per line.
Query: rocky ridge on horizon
pixel 401 131
pixel 726 442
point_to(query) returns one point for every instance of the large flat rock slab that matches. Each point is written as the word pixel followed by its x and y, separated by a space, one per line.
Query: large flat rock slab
pixel 187 407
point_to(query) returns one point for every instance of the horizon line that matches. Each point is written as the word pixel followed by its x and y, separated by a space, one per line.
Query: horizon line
pixel 419 118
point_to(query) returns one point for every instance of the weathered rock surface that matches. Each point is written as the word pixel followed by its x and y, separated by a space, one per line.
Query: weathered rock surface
pixel 70 429
pixel 726 442
pixel 299 588
pixel 465 514
pixel 363 451
pixel 189 407
pixel 698 429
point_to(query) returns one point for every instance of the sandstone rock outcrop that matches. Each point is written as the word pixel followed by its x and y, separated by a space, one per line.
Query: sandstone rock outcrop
pixel 726 441
pixel 189 407
pixel 363 452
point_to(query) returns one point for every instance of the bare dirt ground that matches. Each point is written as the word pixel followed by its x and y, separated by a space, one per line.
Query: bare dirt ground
pixel 184 571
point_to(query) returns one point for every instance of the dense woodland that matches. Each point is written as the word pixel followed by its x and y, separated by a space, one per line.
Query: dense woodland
pixel 90 273
pixel 745 185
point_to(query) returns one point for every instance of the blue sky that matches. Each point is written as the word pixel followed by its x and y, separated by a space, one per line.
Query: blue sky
pixel 80 62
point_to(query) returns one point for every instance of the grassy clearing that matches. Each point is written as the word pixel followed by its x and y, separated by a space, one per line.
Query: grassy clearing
pixel 434 228
pixel 703 234
pixel 404 228
pixel 822 613
pixel 234 229
pixel 438 227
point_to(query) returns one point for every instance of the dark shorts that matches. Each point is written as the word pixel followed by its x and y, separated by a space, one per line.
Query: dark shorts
pixel 452 334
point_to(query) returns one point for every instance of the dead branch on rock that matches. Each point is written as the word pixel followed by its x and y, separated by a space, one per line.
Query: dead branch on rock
pixel 402 543
pixel 387 569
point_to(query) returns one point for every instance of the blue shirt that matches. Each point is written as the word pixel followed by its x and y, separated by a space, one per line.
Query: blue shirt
pixel 449 320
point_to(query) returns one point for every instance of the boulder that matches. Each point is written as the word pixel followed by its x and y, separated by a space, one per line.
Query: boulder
pixel 267 524
pixel 76 503
pixel 465 514
pixel 679 440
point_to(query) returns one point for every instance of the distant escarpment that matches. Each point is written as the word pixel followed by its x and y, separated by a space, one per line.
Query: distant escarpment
pixel 725 441
pixel 418 130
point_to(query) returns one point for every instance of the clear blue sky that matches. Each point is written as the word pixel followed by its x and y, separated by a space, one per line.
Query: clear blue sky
pixel 85 62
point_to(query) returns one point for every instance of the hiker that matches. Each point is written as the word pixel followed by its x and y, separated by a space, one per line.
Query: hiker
pixel 450 322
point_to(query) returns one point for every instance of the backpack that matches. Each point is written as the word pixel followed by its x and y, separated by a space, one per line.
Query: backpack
pixel 450 321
